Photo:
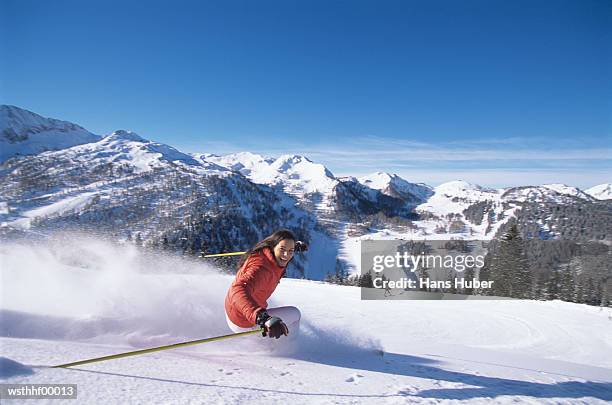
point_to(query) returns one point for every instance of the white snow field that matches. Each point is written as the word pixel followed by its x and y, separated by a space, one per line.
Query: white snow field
pixel 74 298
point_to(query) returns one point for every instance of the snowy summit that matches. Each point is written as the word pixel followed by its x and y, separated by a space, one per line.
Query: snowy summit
pixel 395 186
pixel 26 133
pixel 601 191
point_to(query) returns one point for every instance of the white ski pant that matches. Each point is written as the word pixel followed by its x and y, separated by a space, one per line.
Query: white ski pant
pixel 290 315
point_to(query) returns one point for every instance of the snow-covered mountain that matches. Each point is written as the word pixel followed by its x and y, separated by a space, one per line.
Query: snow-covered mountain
pixel 312 185
pixel 143 155
pixel 23 132
pixel 462 208
pixel 567 190
pixel 447 212
pixel 601 191
pixel 382 205
pixel 131 187
pixel 556 193
pixel 455 196
pixel 327 196
pixel 395 186
pixel 243 162
pixel 296 174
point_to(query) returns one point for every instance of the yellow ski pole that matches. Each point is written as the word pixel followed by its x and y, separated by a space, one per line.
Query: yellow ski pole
pixel 157 349
pixel 222 254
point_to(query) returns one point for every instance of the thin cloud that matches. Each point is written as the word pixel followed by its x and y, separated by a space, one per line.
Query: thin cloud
pixel 482 162
pixel 453 154
pixel 500 178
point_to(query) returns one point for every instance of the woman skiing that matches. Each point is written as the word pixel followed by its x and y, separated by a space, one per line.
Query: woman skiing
pixel 259 272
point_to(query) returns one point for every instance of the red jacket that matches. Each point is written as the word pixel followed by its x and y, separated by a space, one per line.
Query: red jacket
pixel 254 284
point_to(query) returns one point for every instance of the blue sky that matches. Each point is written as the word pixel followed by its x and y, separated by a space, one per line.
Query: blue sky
pixel 494 92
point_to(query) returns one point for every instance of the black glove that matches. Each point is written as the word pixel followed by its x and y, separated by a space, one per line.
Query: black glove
pixel 272 326
pixel 301 246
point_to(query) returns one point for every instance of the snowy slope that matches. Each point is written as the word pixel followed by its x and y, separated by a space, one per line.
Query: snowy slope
pixel 88 172
pixel 23 132
pixel 443 213
pixel 76 299
pixel 455 196
pixel 601 191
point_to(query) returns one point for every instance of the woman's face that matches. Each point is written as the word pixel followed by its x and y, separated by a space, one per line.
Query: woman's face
pixel 283 251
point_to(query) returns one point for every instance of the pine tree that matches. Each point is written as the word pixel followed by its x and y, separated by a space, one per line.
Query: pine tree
pixel 509 269
pixel 606 292
pixel 578 295
pixel 591 295
pixel 468 275
pixel 566 288
pixel 553 284
pixel 366 280
pixel 341 273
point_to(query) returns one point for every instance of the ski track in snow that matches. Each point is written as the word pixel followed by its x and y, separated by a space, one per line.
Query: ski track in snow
pixel 80 299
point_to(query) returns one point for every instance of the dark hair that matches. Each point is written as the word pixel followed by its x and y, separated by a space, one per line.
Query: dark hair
pixel 269 242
